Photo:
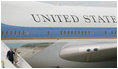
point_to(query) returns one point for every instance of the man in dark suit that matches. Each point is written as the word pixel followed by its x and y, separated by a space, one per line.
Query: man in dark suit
pixel 10 54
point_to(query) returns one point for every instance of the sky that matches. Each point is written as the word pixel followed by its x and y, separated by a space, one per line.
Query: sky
pixel 83 3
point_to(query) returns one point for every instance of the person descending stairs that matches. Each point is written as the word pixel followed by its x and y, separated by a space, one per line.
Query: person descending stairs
pixel 5 63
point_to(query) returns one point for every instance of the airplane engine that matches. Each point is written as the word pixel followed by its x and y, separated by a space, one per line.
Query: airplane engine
pixel 90 53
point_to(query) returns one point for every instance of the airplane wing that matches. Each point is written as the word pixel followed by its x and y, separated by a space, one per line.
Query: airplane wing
pixel 82 50
pixel 73 52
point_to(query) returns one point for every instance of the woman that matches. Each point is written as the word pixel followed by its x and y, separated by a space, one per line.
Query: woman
pixel 15 56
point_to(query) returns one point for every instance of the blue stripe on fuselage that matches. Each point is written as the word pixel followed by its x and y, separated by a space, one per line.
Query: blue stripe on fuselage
pixel 58 31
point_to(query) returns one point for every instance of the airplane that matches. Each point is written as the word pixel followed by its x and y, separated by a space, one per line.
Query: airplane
pixel 89 33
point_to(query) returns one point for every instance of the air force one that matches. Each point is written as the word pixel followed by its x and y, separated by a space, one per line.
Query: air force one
pixel 90 33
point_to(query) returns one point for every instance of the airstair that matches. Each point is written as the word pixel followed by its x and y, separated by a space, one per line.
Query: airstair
pixel 5 63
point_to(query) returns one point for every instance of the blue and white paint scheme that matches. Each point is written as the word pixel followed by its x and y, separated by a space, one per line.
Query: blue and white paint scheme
pixel 27 21
pixel 60 22
pixel 56 32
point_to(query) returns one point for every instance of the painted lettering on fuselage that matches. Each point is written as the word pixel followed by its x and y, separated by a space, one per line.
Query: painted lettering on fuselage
pixel 73 18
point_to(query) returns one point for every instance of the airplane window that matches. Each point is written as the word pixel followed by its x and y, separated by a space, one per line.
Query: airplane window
pixel 72 32
pixel 85 32
pixel 65 32
pixel 75 32
pixel 92 33
pixel 79 32
pixel 48 32
pixel 11 32
pixel 115 32
pixel 106 32
pixel 15 33
pixel 27 33
pixel 68 32
pixel 6 32
pixel 88 50
pixel 89 32
pixel 95 49
pixel 2 32
pixel 82 32
pixel 112 32
pixel 23 33
pixel 19 32
pixel 61 32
